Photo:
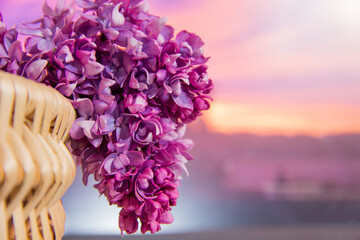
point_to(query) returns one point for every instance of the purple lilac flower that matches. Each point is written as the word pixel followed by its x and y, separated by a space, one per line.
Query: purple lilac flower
pixel 134 86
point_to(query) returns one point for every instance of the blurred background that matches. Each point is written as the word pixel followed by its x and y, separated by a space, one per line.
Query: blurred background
pixel 278 154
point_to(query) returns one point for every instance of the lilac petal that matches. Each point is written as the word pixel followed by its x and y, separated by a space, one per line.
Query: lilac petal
pixel 99 106
pixel 128 222
pixel 187 49
pixel 136 104
pixel 107 124
pixel 178 168
pixel 132 44
pixel 13 67
pixel 58 36
pixel 63 56
pixel 93 68
pixel 83 56
pixel 188 156
pixel 152 91
pixel 143 183
pixel 128 65
pixel 96 141
pixel 147 173
pixel 30 31
pixel 172 193
pixel 139 6
pixel 117 19
pixel 201 104
pixel 92 18
pixel 167 125
pixel 65 88
pixel 176 88
pixel 3 62
pixel 163 157
pixel 182 77
pixel 196 44
pixel 154 126
pixel 146 137
pixel 185 144
pixel 166 217
pixel 34 70
pixel 153 211
pixel 123 37
pixel 161 76
pixel 166 34
pixel 108 161
pixel 117 165
pixel 86 125
pixel 181 129
pixel 65 51
pixel 76 132
pixel 183 101
pixel 71 77
pixel 130 204
pixel 85 107
pixel 31 44
pixel 121 160
pixel 74 67
pixel 156 26
pixel 192 40
pixel 133 83
pixel 182 37
pixel 104 86
pixel 162 198
pixel 151 47
pixel 15 51
pixel 60 6
pixel 161 174
pixel 169 60
pixel 85 3
pixel 136 158
pixel 106 98
pixel 112 34
pixel 3 52
pixel 9 37
pixel 45 45
pixel 47 9
pixel 168 89
pixel 139 210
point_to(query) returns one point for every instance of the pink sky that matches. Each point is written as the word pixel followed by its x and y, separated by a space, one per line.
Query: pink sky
pixel 279 66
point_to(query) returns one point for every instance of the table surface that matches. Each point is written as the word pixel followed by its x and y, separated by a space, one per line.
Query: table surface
pixel 322 232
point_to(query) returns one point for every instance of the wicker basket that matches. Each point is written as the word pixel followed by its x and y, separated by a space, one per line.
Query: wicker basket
pixel 35 166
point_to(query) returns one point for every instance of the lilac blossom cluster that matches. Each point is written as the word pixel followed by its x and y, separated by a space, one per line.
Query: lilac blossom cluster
pixel 134 86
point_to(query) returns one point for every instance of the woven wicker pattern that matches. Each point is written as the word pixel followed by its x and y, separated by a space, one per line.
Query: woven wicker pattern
pixel 35 166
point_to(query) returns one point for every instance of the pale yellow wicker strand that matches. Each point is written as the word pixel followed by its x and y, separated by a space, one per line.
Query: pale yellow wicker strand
pixel 36 167
pixel 23 103
pixel 14 208
pixel 36 106
pixel 66 167
pixel 12 168
pixel 15 205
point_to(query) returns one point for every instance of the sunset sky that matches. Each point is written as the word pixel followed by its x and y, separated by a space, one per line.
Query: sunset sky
pixel 279 66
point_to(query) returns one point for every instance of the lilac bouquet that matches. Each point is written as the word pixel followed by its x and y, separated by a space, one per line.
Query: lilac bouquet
pixel 134 86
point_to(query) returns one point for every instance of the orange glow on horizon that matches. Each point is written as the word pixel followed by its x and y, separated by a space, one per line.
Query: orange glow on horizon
pixel 290 120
